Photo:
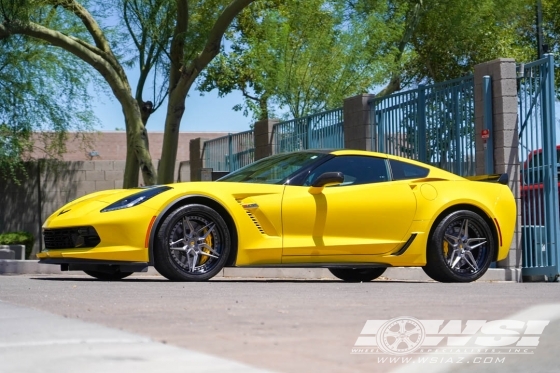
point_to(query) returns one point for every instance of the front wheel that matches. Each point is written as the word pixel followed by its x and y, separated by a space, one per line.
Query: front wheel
pixel 193 244
pixel 357 274
pixel 460 248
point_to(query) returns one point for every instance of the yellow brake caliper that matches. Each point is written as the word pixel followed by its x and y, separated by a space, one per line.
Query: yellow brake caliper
pixel 207 241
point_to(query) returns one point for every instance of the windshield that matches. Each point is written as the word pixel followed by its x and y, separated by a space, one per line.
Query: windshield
pixel 275 169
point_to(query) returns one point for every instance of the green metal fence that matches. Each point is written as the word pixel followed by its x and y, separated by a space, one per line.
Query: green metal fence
pixel 318 131
pixel 228 153
pixel 433 124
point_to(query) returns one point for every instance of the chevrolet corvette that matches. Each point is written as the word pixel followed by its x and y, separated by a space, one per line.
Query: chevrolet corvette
pixel 353 212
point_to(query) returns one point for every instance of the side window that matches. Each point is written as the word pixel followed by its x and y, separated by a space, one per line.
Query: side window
pixel 403 170
pixel 356 169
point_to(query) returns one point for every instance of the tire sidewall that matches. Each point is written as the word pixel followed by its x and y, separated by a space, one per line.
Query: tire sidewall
pixel 164 261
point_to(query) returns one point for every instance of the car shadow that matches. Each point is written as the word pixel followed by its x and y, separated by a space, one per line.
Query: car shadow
pixel 84 279
pixel 228 280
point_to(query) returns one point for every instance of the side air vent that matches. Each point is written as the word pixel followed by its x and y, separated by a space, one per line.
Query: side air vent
pixel 255 221
pixel 252 217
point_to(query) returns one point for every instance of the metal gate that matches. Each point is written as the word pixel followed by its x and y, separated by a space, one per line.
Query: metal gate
pixel 228 153
pixel 538 155
pixel 433 124
pixel 323 130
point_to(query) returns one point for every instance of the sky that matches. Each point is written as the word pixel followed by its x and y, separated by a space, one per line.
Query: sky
pixel 208 113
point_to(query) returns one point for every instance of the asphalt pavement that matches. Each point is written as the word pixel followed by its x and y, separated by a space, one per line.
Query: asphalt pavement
pixel 28 267
pixel 73 323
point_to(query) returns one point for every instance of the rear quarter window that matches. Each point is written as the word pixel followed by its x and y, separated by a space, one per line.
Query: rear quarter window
pixel 403 171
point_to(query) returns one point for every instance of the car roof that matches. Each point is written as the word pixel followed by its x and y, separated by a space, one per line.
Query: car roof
pixel 435 170
pixel 357 152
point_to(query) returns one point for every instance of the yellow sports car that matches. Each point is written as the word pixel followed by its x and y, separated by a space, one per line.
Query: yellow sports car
pixel 353 212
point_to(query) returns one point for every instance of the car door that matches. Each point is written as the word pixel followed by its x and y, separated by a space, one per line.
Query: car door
pixel 366 214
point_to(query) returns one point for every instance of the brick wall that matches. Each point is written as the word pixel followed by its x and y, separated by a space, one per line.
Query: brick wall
pixel 111 146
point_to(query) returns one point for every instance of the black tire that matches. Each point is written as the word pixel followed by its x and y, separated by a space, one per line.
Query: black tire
pixel 193 244
pixel 357 274
pixel 460 248
pixel 109 275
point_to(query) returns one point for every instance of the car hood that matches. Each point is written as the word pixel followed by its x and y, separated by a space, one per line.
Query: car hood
pixel 90 203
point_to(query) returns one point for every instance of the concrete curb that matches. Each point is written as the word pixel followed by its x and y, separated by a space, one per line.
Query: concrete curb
pixel 32 267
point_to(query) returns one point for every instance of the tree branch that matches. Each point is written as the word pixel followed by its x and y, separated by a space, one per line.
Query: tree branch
pixel 247 95
pixel 96 58
pixel 177 51
pixel 91 25
pixel 412 20
pixel 94 30
pixel 212 47
pixel 128 26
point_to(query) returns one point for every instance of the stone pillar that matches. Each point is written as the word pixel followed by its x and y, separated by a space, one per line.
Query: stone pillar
pixel 504 137
pixel 357 122
pixel 184 171
pixel 264 143
pixel 195 157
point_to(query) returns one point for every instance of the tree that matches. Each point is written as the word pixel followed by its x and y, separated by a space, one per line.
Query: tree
pixel 187 64
pixel 444 39
pixel 23 18
pixel 43 96
pixel 452 36
pixel 149 28
pixel 406 15
pixel 302 56
pixel 551 32
pixel 203 21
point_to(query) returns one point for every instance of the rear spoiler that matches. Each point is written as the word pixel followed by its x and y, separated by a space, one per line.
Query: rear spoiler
pixel 499 178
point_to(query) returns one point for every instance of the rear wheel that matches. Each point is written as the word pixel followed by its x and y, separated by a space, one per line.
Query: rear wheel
pixel 193 244
pixel 357 274
pixel 460 248
pixel 109 275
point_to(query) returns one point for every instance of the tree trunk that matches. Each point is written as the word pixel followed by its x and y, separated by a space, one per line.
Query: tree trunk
pixel 136 144
pixel 263 106
pixel 175 110
pixel 183 78
pixel 131 168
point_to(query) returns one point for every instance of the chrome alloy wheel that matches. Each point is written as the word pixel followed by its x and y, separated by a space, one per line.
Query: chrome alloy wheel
pixel 464 246
pixel 194 244
pixel 460 248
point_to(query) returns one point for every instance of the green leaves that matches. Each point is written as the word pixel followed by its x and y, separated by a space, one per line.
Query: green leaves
pixel 302 57
pixel 42 92
pixel 453 35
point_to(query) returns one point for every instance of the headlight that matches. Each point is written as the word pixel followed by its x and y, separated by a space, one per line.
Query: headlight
pixel 136 198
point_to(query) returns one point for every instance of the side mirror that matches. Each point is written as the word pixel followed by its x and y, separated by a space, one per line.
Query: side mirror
pixel 326 179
